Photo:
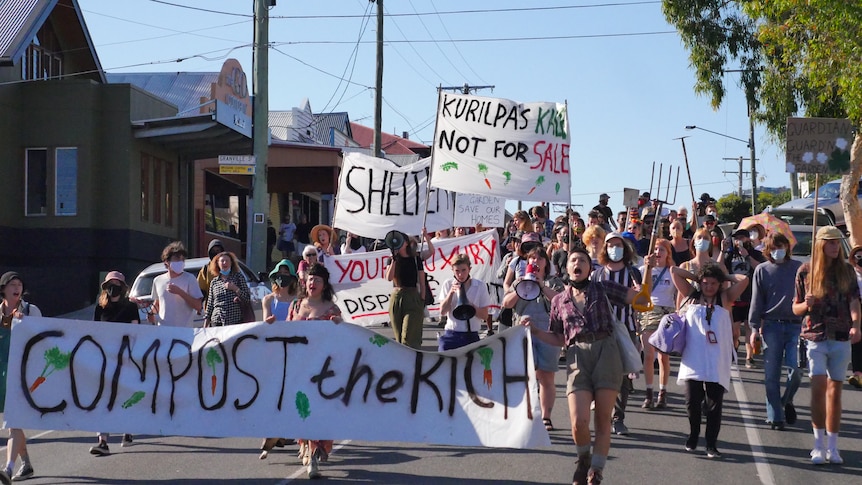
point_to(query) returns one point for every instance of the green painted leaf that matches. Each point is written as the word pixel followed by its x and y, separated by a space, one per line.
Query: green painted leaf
pixel 136 398
pixel 379 340
pixel 56 358
pixel 448 166
pixel 508 176
pixel 303 407
pixel 486 355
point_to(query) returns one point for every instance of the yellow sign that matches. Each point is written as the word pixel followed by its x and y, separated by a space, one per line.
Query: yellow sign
pixel 236 169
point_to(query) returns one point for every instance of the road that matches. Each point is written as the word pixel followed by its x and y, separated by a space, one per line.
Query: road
pixel 652 454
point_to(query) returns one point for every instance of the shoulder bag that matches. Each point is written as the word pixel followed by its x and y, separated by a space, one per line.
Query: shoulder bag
pixel 629 353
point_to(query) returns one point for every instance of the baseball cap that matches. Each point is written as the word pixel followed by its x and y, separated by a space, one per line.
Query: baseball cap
pixel 709 218
pixel 740 232
pixel 113 275
pixel 530 240
pixel 612 235
pixel 604 196
pixel 829 232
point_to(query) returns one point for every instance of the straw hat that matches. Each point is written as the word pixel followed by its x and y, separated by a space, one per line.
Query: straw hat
pixel 315 231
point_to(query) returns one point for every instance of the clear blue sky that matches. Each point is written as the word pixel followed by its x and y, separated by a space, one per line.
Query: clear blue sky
pixel 629 95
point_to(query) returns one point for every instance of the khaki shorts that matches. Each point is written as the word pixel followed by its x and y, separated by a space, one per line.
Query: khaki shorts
pixel 594 365
pixel 651 319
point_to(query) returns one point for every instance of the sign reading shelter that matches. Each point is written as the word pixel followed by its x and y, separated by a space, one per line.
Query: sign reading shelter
pixel 375 196
pixel 472 209
pixel 498 147
pixel 818 145
pixel 310 379
pixel 363 292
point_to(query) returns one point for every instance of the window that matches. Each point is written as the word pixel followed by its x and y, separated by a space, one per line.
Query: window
pixel 42 59
pixel 158 182
pixel 66 182
pixel 36 185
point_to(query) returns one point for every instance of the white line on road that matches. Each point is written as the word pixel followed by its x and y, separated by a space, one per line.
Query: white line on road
pixel 43 433
pixel 301 471
pixel 763 469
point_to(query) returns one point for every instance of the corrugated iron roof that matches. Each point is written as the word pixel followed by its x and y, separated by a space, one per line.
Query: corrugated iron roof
pixel 182 89
pixel 325 122
pixel 20 21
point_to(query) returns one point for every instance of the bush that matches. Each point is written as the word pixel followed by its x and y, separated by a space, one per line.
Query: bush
pixel 732 208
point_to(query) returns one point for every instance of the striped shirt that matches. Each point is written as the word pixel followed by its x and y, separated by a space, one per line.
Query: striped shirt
pixel 628 277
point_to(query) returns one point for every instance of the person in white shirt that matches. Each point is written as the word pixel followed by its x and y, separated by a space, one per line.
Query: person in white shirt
pixel 352 244
pixel 177 297
pixel 459 333
pixel 663 296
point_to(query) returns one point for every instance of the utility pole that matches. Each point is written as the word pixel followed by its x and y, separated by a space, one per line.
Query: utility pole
pixel 256 243
pixel 753 159
pixel 378 91
pixel 465 89
pixel 741 173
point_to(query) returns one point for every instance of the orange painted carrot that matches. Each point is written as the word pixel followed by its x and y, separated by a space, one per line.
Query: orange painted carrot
pixel 483 169
pixel 488 378
pixel 486 354
pixel 212 359
pixel 213 384
pixel 539 181
pixel 39 380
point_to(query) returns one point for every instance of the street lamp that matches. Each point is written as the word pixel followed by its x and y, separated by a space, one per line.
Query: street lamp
pixel 750 143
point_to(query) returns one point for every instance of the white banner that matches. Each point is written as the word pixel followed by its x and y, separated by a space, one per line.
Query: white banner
pixel 376 196
pixel 472 209
pixel 309 379
pixel 494 146
pixel 362 290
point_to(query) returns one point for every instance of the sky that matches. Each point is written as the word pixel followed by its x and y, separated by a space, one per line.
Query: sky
pixel 620 67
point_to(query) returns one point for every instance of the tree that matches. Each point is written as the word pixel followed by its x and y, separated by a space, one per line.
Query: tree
pixel 794 56
pixel 732 208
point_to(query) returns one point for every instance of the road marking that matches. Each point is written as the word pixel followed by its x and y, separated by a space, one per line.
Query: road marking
pixel 763 469
pixel 43 433
pixel 302 470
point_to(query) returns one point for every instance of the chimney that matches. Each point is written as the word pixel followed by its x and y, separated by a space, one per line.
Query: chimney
pixel 405 135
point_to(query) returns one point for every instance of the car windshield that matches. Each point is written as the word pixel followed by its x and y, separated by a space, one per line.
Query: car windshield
pixel 830 190
pixel 802 218
pixel 803 244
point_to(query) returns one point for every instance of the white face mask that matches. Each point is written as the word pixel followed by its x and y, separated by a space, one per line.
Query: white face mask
pixel 701 245
pixel 754 235
pixel 615 253
pixel 778 254
pixel 178 266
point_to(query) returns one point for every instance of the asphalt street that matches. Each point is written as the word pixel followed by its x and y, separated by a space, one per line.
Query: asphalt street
pixel 652 454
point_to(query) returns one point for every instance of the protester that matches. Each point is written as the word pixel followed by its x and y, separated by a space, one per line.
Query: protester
pixel 606 211
pixel 113 305
pixel 324 239
pixel 284 290
pixel 622 218
pixel 580 320
pixel 594 239
pixel 616 261
pixel 13 309
pixel 688 226
pixel 827 296
pixel 680 246
pixel 663 297
pixel 757 233
pixel 537 314
pixel 214 248
pixel 318 304
pixel 540 215
pixel 771 314
pixel 406 304
pixel 352 244
pixel 560 254
pixel 458 332
pixel 518 265
pixel 309 257
pixel 562 236
pixel 855 378
pixel 228 292
pixel 702 244
pixel 522 221
pixel 177 297
pixel 740 257
pixel 286 233
pixel 704 367
pixel 539 228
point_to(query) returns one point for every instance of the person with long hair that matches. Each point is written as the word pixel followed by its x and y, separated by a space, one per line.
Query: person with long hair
pixel 663 297
pixel 318 304
pixel 522 221
pixel 113 305
pixel 771 315
pixel 407 303
pixel 581 320
pixel 545 357
pixel 827 297
pixel 228 290
pixel 855 378
pixel 702 244
pixel 594 240
pixel 616 259
pixel 705 363
pixel 680 246
pixel 13 309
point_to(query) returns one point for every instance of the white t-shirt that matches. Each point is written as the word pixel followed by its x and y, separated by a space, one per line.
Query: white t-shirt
pixel 477 295
pixel 173 310
pixel 662 292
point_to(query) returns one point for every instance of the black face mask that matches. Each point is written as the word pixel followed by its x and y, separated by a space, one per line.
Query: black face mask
pixel 355 243
pixel 580 285
pixel 114 291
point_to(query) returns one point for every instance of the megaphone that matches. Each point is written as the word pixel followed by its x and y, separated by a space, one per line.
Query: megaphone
pixel 529 288
pixel 394 240
pixel 463 309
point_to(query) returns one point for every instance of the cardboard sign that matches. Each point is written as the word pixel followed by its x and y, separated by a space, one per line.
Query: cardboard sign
pixel 376 196
pixel 472 209
pixel 309 379
pixel 498 147
pixel 818 145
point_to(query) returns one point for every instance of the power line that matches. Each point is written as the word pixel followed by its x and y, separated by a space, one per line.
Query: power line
pixel 494 39
pixel 449 36
pixel 204 9
pixel 436 43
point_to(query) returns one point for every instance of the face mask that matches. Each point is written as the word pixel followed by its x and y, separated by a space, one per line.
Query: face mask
pixel 615 253
pixel 355 243
pixel 580 285
pixel 712 214
pixel 701 245
pixel 754 235
pixel 114 291
pixel 178 266
pixel 778 254
pixel 224 271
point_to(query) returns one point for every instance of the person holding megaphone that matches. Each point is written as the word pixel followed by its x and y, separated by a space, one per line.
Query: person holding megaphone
pixel 406 305
pixel 464 301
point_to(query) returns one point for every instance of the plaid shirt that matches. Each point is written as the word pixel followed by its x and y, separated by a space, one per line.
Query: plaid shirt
pixel 221 309
pixel 567 320
pixel 832 313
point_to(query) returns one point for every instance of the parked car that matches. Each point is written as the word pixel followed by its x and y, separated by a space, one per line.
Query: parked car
pixel 142 288
pixel 829 201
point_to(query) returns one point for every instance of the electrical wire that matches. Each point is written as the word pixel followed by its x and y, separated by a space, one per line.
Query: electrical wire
pixel 436 43
pixel 474 11
pixel 203 9
pixel 449 36
pixel 493 39
pixel 353 56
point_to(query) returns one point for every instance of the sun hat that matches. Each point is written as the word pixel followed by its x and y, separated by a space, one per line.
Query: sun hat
pixel 8 277
pixel 315 231
pixel 114 275
pixel 829 232
pixel 286 263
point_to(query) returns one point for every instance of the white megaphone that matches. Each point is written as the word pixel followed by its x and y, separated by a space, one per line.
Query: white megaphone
pixel 529 287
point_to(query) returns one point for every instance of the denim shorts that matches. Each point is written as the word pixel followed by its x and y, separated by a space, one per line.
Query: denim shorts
pixel 828 357
pixel 546 357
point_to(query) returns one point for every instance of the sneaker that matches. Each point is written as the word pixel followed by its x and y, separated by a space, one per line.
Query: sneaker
pixel 832 456
pixel 713 453
pixel 818 456
pixel 313 467
pixel 779 425
pixel 855 380
pixel 691 444
pixel 127 440
pixel 100 450
pixel 749 363
pixel 594 477
pixel 23 473
pixel 581 471
pixel 8 473
pixel 661 402
pixel 648 404
pixel 789 413
pixel 620 428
